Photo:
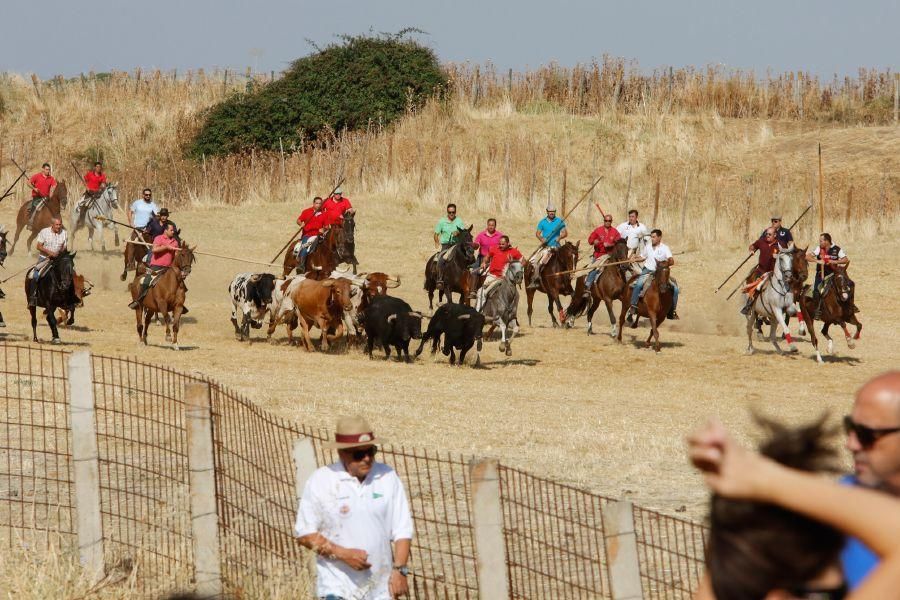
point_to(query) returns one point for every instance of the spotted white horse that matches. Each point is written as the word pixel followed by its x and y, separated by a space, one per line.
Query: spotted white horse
pixel 85 213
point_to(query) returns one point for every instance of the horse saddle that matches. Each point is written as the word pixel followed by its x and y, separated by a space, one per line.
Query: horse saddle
pixel 757 285
pixel 492 287
pixel 42 268
pixel 446 253
pixel 151 277
pixel 308 244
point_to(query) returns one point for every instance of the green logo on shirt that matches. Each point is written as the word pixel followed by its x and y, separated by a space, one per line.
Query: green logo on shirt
pixel 376 495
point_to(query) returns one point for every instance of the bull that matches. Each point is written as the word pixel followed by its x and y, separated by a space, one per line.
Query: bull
pixel 390 322
pixel 251 297
pixel 323 304
pixel 461 327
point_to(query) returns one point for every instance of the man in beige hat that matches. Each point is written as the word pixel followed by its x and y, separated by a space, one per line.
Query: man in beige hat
pixel 350 513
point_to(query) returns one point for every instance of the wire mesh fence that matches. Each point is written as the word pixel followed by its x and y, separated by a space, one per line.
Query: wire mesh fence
pixel 554 534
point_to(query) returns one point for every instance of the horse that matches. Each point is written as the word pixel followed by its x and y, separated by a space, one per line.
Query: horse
pixel 775 298
pixel 55 289
pixel 608 286
pixel 134 253
pixel 50 209
pixel 321 261
pixel 102 206
pixel 456 271
pixel 345 241
pixel 166 296
pixel 500 308
pixel 563 260
pixel 836 307
pixel 655 304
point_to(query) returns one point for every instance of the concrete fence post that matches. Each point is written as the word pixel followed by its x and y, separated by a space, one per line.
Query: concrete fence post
pixel 86 465
pixel 305 465
pixel 204 514
pixel 621 551
pixel 487 519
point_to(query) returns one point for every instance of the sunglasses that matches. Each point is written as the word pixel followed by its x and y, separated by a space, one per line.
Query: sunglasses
pixel 867 436
pixel 770 235
pixel 607 220
pixel 835 593
pixel 371 451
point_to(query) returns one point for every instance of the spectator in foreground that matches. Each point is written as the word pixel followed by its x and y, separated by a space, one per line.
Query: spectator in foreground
pixel 777 527
pixel 349 514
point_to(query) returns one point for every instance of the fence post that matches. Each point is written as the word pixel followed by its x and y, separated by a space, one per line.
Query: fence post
pixel 305 465
pixel 487 519
pixel 204 515
pixel 621 551
pixel 86 465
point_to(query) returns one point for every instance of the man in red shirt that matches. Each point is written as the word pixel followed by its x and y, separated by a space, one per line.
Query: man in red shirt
pixel 42 186
pixel 499 256
pixel 602 239
pixel 768 248
pixel 336 205
pixel 95 180
pixel 312 220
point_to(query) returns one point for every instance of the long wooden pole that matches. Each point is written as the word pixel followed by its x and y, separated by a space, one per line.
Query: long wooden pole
pixel 299 229
pixel 821 208
pixel 588 268
pixel 246 260
pixel 571 210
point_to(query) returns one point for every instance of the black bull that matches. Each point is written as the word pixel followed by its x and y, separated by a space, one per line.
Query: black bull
pixel 461 327
pixel 391 322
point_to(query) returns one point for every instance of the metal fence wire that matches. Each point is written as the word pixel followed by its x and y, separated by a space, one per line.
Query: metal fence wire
pixel 670 553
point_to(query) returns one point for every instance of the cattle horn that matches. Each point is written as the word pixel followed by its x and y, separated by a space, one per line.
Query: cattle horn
pixel 415 313
pixel 328 283
pixel 393 280
pixel 392 318
pixel 463 317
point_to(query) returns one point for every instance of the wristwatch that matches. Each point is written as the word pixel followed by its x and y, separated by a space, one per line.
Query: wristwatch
pixel 403 569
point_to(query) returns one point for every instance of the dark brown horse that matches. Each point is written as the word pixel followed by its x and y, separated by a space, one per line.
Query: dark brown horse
pixel 836 307
pixel 321 262
pixel 134 253
pixel 655 305
pixel 456 278
pixel 166 297
pixel 563 259
pixel 608 286
pixel 52 208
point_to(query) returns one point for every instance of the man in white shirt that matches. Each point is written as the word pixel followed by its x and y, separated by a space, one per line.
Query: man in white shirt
pixel 51 241
pixel 633 231
pixel 142 210
pixel 350 513
pixel 652 253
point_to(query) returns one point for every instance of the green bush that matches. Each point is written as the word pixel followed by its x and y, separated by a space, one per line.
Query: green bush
pixel 344 86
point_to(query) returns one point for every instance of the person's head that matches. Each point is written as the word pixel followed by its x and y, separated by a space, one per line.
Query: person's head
pixel 169 231
pixel 504 242
pixel 770 234
pixel 776 222
pixel 551 211
pixel 825 241
pixel 355 442
pixel 633 216
pixel 164 216
pixel 873 432
pixel 46 169
pixel 55 224
pixel 491 225
pixel 655 237
pixel 337 193
pixel 317 203
pixel 607 221
pixel 451 211
pixel 98 167
pixel 758 550
pixel 147 195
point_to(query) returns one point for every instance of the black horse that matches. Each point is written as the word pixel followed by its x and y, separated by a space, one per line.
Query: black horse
pixel 2 258
pixel 346 242
pixel 55 289
pixel 456 270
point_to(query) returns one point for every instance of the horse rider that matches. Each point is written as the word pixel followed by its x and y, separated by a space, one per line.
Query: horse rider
pixel 42 186
pixel 336 205
pixel 164 248
pixel 550 230
pixel 633 231
pixel 95 182
pixel 767 246
pixel 445 232
pixel 652 253
pixel 313 220
pixel 486 240
pixel 827 254
pixel 498 257
pixel 51 242
pixel 142 210
pixel 782 234
pixel 603 238
pixel 157 226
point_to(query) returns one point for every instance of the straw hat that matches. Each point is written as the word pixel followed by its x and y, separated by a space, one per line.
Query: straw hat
pixel 551 207
pixel 352 432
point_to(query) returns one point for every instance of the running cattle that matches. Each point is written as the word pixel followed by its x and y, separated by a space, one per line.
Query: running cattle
pixel 251 297
pixel 390 322
pixel 461 327
pixel 323 304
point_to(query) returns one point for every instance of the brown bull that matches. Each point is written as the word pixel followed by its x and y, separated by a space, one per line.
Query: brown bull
pixel 323 304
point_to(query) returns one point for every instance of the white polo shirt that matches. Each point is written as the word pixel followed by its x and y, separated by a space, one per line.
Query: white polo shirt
pixel 632 233
pixel 54 242
pixel 653 254
pixel 143 210
pixel 366 516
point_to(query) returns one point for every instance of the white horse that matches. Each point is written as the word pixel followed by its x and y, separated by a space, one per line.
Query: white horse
pixel 500 308
pixel 87 216
pixel 773 301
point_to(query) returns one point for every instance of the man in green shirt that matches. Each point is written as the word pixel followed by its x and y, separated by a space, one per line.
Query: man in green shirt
pixel 445 233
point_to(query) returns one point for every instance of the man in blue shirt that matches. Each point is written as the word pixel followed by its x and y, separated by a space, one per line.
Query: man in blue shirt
pixel 550 230
pixel 873 437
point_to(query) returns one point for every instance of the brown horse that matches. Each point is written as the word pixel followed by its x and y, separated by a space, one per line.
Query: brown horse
pixel 836 307
pixel 655 305
pixel 551 282
pixel 322 261
pixel 166 297
pixel 608 286
pixel 134 253
pixel 52 208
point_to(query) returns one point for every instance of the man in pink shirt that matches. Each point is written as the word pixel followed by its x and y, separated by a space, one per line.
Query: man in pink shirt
pixel 487 239
pixel 165 245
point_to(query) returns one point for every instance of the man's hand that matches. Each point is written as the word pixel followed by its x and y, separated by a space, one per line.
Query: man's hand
pixel 358 560
pixel 397 584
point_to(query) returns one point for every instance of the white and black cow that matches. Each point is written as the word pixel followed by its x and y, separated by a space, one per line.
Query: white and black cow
pixel 251 296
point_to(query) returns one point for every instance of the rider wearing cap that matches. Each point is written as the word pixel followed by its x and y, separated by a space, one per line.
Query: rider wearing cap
pixel 158 223
pixel 550 230
pixel 336 205
pixel 782 234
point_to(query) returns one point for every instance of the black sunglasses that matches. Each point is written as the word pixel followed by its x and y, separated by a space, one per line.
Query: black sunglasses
pixel 812 593
pixel 361 454
pixel 867 436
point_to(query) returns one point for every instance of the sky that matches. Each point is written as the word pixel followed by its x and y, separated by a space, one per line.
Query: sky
pixel 822 37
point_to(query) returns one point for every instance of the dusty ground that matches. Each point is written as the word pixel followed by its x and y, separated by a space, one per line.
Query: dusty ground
pixel 565 405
